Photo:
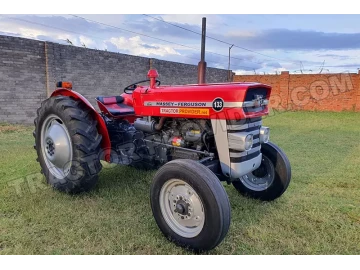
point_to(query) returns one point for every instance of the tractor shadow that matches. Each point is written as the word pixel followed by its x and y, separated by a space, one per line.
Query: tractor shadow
pixel 123 187
pixel 124 179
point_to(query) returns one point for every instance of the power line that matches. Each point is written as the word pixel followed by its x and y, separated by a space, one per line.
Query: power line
pixel 70 31
pixel 102 39
pixel 178 26
pixel 74 32
pixel 133 32
pixel 99 38
pixel 62 29
pixel 53 27
pixel 216 39
pixel 141 34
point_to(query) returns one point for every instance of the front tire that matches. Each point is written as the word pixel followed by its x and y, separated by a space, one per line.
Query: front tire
pixel 190 205
pixel 271 179
pixel 67 144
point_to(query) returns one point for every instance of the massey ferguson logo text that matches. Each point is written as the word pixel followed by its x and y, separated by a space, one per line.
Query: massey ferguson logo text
pixel 181 104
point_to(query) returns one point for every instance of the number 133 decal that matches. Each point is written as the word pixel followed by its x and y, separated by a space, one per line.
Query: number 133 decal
pixel 218 104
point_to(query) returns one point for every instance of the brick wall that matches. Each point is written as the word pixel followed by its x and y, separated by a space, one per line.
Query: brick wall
pixel 314 92
pixel 29 70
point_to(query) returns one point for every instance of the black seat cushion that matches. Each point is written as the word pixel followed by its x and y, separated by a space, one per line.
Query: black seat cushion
pixel 115 105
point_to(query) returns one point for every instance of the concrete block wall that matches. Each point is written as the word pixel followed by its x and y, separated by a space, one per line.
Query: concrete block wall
pixel 22 79
pixel 29 70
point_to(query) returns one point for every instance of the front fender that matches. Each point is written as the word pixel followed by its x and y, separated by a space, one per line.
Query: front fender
pixel 101 126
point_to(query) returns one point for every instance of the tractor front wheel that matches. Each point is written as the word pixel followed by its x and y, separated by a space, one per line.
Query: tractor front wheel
pixel 190 205
pixel 271 179
pixel 67 144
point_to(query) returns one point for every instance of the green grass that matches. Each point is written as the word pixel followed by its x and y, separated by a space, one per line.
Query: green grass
pixel 318 214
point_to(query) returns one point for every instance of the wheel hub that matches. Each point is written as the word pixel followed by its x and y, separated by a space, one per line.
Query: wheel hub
pixel 50 147
pixel 56 146
pixel 182 208
pixel 261 178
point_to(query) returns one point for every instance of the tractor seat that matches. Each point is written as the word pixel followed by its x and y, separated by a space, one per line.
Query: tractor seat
pixel 115 106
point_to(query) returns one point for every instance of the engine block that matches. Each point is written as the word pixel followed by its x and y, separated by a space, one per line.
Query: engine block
pixel 146 143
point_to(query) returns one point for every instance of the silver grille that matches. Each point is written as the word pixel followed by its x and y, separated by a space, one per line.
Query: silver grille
pixel 235 128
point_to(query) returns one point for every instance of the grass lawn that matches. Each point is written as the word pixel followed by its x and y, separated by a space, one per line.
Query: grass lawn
pixel 318 214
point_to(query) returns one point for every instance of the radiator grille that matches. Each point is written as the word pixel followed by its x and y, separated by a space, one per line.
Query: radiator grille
pixel 251 125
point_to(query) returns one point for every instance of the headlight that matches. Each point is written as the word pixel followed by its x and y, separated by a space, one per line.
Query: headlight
pixel 248 142
pixel 242 141
pixel 264 134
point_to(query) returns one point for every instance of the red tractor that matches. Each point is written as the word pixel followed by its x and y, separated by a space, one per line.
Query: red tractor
pixel 198 135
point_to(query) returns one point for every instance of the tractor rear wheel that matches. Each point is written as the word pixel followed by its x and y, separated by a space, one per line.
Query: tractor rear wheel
pixel 190 205
pixel 271 179
pixel 67 144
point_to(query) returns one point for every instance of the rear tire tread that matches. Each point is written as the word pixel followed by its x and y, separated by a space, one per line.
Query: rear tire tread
pixel 85 141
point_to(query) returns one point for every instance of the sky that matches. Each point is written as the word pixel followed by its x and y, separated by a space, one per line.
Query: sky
pixel 263 44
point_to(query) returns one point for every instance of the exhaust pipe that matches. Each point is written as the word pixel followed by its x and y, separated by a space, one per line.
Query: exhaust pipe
pixel 202 63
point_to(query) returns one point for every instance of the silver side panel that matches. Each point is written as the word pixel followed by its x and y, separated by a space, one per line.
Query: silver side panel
pixel 245 153
pixel 221 140
pixel 242 168
pixel 245 126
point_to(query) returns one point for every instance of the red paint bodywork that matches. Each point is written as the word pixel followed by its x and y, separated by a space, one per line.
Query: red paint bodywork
pixel 101 126
pixel 152 75
pixel 229 92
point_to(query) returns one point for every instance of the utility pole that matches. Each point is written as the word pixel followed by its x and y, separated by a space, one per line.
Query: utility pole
pixel 229 76
pixel 202 63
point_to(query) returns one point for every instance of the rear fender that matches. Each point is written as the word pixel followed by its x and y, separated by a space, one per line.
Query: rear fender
pixel 101 126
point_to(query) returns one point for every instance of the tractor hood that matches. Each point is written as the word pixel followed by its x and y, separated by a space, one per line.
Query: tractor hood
pixel 220 100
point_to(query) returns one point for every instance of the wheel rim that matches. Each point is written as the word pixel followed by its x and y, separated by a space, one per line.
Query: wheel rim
pixel 262 178
pixel 56 146
pixel 182 208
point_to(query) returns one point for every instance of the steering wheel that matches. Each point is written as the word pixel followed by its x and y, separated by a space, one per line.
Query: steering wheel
pixel 130 88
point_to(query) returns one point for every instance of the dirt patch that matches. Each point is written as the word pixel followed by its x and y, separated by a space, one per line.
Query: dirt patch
pixel 11 128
